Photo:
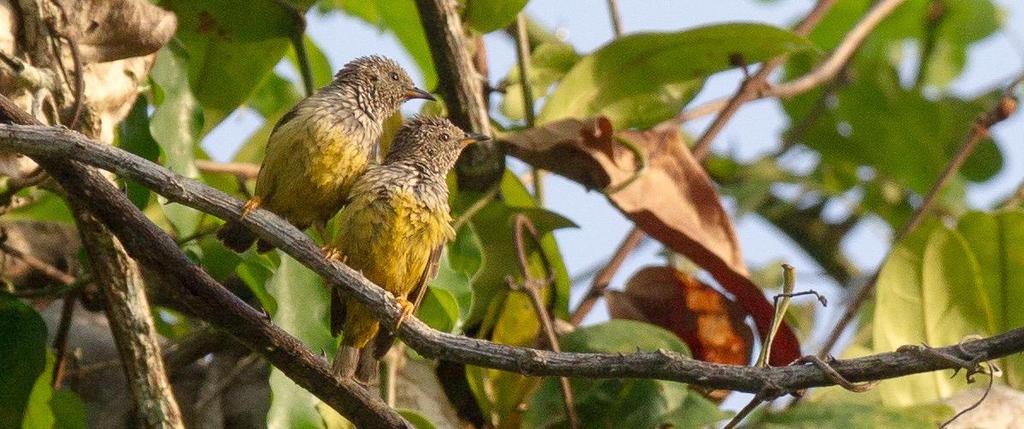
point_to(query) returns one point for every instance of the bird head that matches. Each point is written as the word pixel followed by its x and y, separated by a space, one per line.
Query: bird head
pixel 431 143
pixel 380 84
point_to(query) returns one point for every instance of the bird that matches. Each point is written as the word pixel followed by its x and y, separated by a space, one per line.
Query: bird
pixel 394 228
pixel 322 145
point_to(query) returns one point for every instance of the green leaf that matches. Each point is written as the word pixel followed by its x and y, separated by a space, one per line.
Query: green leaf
pixel 419 421
pixel 22 357
pixel 853 416
pixel 53 409
pixel 439 310
pixel 459 264
pixel 995 241
pixel 133 136
pixel 493 225
pixel 45 207
pixel 302 302
pixel 230 52
pixel 274 97
pixel 618 402
pixel 549 63
pixel 642 79
pixel 402 19
pixel 928 292
pixel 486 16
pixel 175 125
pixel 256 272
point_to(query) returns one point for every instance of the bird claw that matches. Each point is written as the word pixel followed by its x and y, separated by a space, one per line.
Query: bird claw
pixel 407 310
pixel 251 205
pixel 331 252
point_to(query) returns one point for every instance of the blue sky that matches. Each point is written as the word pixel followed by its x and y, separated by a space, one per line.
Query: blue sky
pixel 753 131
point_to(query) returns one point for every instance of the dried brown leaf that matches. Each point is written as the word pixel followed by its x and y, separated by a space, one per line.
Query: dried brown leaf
pixel 666 193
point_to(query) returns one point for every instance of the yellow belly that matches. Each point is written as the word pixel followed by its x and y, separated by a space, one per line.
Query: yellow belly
pixel 391 245
pixel 309 170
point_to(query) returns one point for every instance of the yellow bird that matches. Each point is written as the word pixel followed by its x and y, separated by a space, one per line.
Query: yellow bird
pixel 319 148
pixel 394 226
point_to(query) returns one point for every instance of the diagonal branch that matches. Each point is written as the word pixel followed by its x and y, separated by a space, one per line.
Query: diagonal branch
pixel 154 248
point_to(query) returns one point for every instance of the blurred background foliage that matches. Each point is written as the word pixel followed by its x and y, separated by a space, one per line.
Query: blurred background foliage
pixel 871 142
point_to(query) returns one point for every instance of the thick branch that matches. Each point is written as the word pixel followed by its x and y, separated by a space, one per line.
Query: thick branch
pixel 155 250
pixel 461 86
pixel 285 352
pixel 129 315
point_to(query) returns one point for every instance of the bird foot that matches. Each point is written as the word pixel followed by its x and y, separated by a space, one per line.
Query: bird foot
pixel 251 205
pixel 407 310
pixel 333 253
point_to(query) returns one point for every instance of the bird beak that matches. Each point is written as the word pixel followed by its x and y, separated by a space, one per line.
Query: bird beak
pixel 473 138
pixel 415 92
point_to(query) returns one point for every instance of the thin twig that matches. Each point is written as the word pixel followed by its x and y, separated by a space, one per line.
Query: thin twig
pixel 616 18
pixel 39 265
pixel 991 380
pixel 242 170
pixel 758 398
pixel 826 71
pixel 532 286
pixel 752 85
pixel 523 59
pixel 1006 106
pixel 60 340
pixel 604 277
pixel 788 284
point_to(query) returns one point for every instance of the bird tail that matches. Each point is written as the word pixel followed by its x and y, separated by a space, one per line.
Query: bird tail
pixel 236 236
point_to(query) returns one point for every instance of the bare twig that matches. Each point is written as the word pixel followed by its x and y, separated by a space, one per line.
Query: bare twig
pixel 1006 106
pixel 988 389
pixel 60 340
pixel 604 277
pixel 37 264
pixel 759 397
pixel 824 72
pixel 241 366
pixel 531 287
pixel 241 170
pixel 616 18
pixel 212 302
pixel 523 58
pixel 752 85
pixel 789 283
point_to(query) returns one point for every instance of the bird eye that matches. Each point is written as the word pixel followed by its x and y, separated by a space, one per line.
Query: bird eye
pixel 394 76
pixel 445 137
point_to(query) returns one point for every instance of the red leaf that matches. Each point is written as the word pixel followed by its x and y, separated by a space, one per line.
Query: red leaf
pixel 672 200
pixel 708 322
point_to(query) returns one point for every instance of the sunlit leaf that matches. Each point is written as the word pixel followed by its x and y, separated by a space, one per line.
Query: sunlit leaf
pixel 175 125
pixel 486 16
pixel 133 136
pixel 302 303
pixel 853 416
pixel 642 79
pixel 929 291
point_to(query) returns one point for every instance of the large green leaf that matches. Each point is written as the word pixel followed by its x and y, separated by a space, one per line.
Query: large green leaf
pixel 232 52
pixel 175 124
pixel 995 240
pixel 22 357
pixel 929 291
pixel 459 264
pixel 617 402
pixel 53 409
pixel 853 416
pixel 302 302
pixel 642 79
pixel 549 62
pixel 402 19
pixel 486 16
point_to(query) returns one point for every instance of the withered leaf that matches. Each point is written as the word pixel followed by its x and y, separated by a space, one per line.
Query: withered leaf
pixel 666 193
pixel 707 321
